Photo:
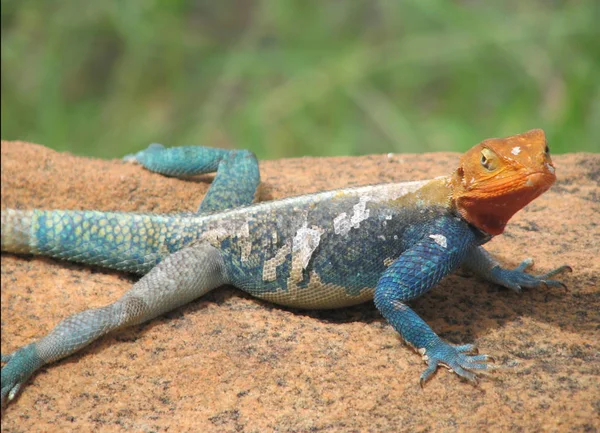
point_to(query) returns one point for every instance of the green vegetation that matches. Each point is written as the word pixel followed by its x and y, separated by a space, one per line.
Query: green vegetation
pixel 289 78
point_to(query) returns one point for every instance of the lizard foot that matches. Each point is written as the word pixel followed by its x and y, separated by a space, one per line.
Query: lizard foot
pixel 20 365
pixel 455 358
pixel 135 157
pixel 516 279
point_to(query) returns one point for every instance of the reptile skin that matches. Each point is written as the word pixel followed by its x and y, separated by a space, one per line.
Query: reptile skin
pixel 387 242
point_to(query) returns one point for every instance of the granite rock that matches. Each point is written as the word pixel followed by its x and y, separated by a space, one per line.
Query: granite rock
pixel 231 363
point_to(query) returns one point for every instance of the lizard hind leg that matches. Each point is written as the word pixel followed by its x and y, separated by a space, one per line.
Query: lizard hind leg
pixel 177 280
pixel 235 184
pixel 180 161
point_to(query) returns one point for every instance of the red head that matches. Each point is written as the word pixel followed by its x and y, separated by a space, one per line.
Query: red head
pixel 499 176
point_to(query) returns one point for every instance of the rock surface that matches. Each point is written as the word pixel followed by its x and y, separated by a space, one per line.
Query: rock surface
pixel 228 362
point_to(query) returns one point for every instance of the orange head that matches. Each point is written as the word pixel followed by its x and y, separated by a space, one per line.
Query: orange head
pixel 499 176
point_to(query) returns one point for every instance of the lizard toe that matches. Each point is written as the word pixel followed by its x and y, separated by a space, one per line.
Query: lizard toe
pixel 524 265
pixel 18 368
pixel 467 348
pixel 455 358
pixel 516 279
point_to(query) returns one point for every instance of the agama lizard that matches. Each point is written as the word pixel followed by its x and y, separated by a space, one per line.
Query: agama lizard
pixel 388 242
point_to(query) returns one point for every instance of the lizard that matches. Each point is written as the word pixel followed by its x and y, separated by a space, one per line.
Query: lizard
pixel 388 242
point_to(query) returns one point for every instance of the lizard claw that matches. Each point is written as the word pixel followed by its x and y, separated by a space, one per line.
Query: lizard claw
pixel 517 279
pixel 19 366
pixel 456 359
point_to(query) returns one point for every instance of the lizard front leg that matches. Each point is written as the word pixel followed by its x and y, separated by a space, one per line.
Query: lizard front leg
pixel 416 271
pixel 177 280
pixel 480 262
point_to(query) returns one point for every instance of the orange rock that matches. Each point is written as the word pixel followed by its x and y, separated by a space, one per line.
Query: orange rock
pixel 228 362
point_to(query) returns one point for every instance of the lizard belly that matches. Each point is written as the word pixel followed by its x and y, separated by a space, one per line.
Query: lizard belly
pixel 315 294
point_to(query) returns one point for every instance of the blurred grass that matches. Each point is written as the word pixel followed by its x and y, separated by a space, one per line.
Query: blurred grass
pixel 289 78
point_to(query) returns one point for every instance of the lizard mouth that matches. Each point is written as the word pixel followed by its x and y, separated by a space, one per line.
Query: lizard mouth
pixel 541 179
pixel 513 187
pixel 490 207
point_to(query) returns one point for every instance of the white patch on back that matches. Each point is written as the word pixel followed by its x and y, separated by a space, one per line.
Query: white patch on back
pixel 245 242
pixel 361 212
pixel 305 243
pixel 515 150
pixel 341 223
pixel 440 240
pixel 269 272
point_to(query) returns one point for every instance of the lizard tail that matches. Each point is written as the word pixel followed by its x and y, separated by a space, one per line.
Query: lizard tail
pixel 123 241
pixel 16 231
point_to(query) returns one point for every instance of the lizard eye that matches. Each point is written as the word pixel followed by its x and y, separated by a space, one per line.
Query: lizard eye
pixel 488 159
pixel 547 150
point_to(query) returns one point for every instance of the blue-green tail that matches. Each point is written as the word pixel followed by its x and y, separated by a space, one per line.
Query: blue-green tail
pixel 124 241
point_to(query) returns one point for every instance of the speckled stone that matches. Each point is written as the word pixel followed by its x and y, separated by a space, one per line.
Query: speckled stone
pixel 230 363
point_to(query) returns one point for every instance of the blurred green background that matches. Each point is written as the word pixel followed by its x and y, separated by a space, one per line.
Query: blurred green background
pixel 288 78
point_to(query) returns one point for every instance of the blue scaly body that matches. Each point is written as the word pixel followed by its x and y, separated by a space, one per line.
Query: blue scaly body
pixel 390 242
